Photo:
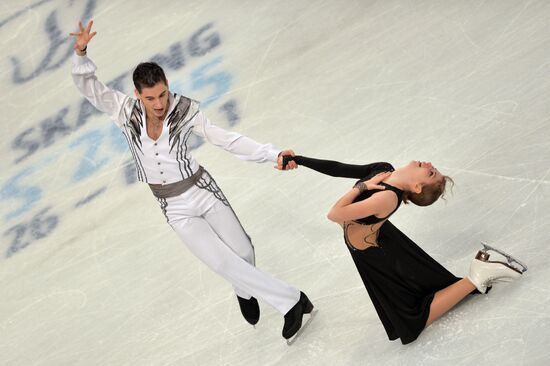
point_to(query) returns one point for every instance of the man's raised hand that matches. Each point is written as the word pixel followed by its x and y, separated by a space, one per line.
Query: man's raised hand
pixel 83 37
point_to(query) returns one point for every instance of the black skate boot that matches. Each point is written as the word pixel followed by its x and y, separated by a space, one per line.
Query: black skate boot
pixel 293 319
pixel 250 309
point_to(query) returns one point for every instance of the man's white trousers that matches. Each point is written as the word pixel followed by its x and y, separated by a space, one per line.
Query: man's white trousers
pixel 206 223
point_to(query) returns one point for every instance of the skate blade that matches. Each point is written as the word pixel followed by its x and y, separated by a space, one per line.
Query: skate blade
pixel 291 340
pixel 511 260
pixel 483 256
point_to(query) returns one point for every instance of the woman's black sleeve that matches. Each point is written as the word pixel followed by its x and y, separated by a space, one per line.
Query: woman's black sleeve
pixel 335 168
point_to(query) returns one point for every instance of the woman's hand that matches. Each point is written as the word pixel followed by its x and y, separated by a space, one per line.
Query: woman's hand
pixel 83 37
pixel 346 209
pixel 373 183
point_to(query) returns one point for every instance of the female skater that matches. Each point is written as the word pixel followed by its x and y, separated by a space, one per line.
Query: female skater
pixel 408 288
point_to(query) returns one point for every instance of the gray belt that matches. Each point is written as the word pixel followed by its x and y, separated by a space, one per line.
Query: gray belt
pixel 175 189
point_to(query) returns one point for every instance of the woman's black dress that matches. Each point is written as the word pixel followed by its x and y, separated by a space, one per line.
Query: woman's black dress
pixel 401 279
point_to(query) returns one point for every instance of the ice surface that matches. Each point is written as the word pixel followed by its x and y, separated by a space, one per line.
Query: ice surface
pixel 91 274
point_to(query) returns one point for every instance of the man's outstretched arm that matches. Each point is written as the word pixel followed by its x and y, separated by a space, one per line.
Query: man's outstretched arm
pixel 105 99
pixel 243 147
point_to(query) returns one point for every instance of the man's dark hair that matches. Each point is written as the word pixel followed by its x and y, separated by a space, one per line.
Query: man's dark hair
pixel 147 75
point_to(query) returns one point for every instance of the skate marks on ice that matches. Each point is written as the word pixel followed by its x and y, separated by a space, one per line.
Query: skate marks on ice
pixel 401 66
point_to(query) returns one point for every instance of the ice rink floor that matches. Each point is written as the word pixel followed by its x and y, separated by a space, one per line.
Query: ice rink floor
pixel 91 274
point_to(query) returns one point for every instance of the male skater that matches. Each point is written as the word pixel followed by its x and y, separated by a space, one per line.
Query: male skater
pixel 157 126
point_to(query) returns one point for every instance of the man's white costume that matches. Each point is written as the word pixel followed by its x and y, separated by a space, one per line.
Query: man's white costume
pixel 191 200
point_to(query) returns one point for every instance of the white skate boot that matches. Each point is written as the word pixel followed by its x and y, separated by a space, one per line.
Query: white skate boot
pixel 484 272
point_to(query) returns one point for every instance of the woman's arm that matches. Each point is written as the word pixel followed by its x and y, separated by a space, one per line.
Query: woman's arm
pixel 333 168
pixel 379 204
